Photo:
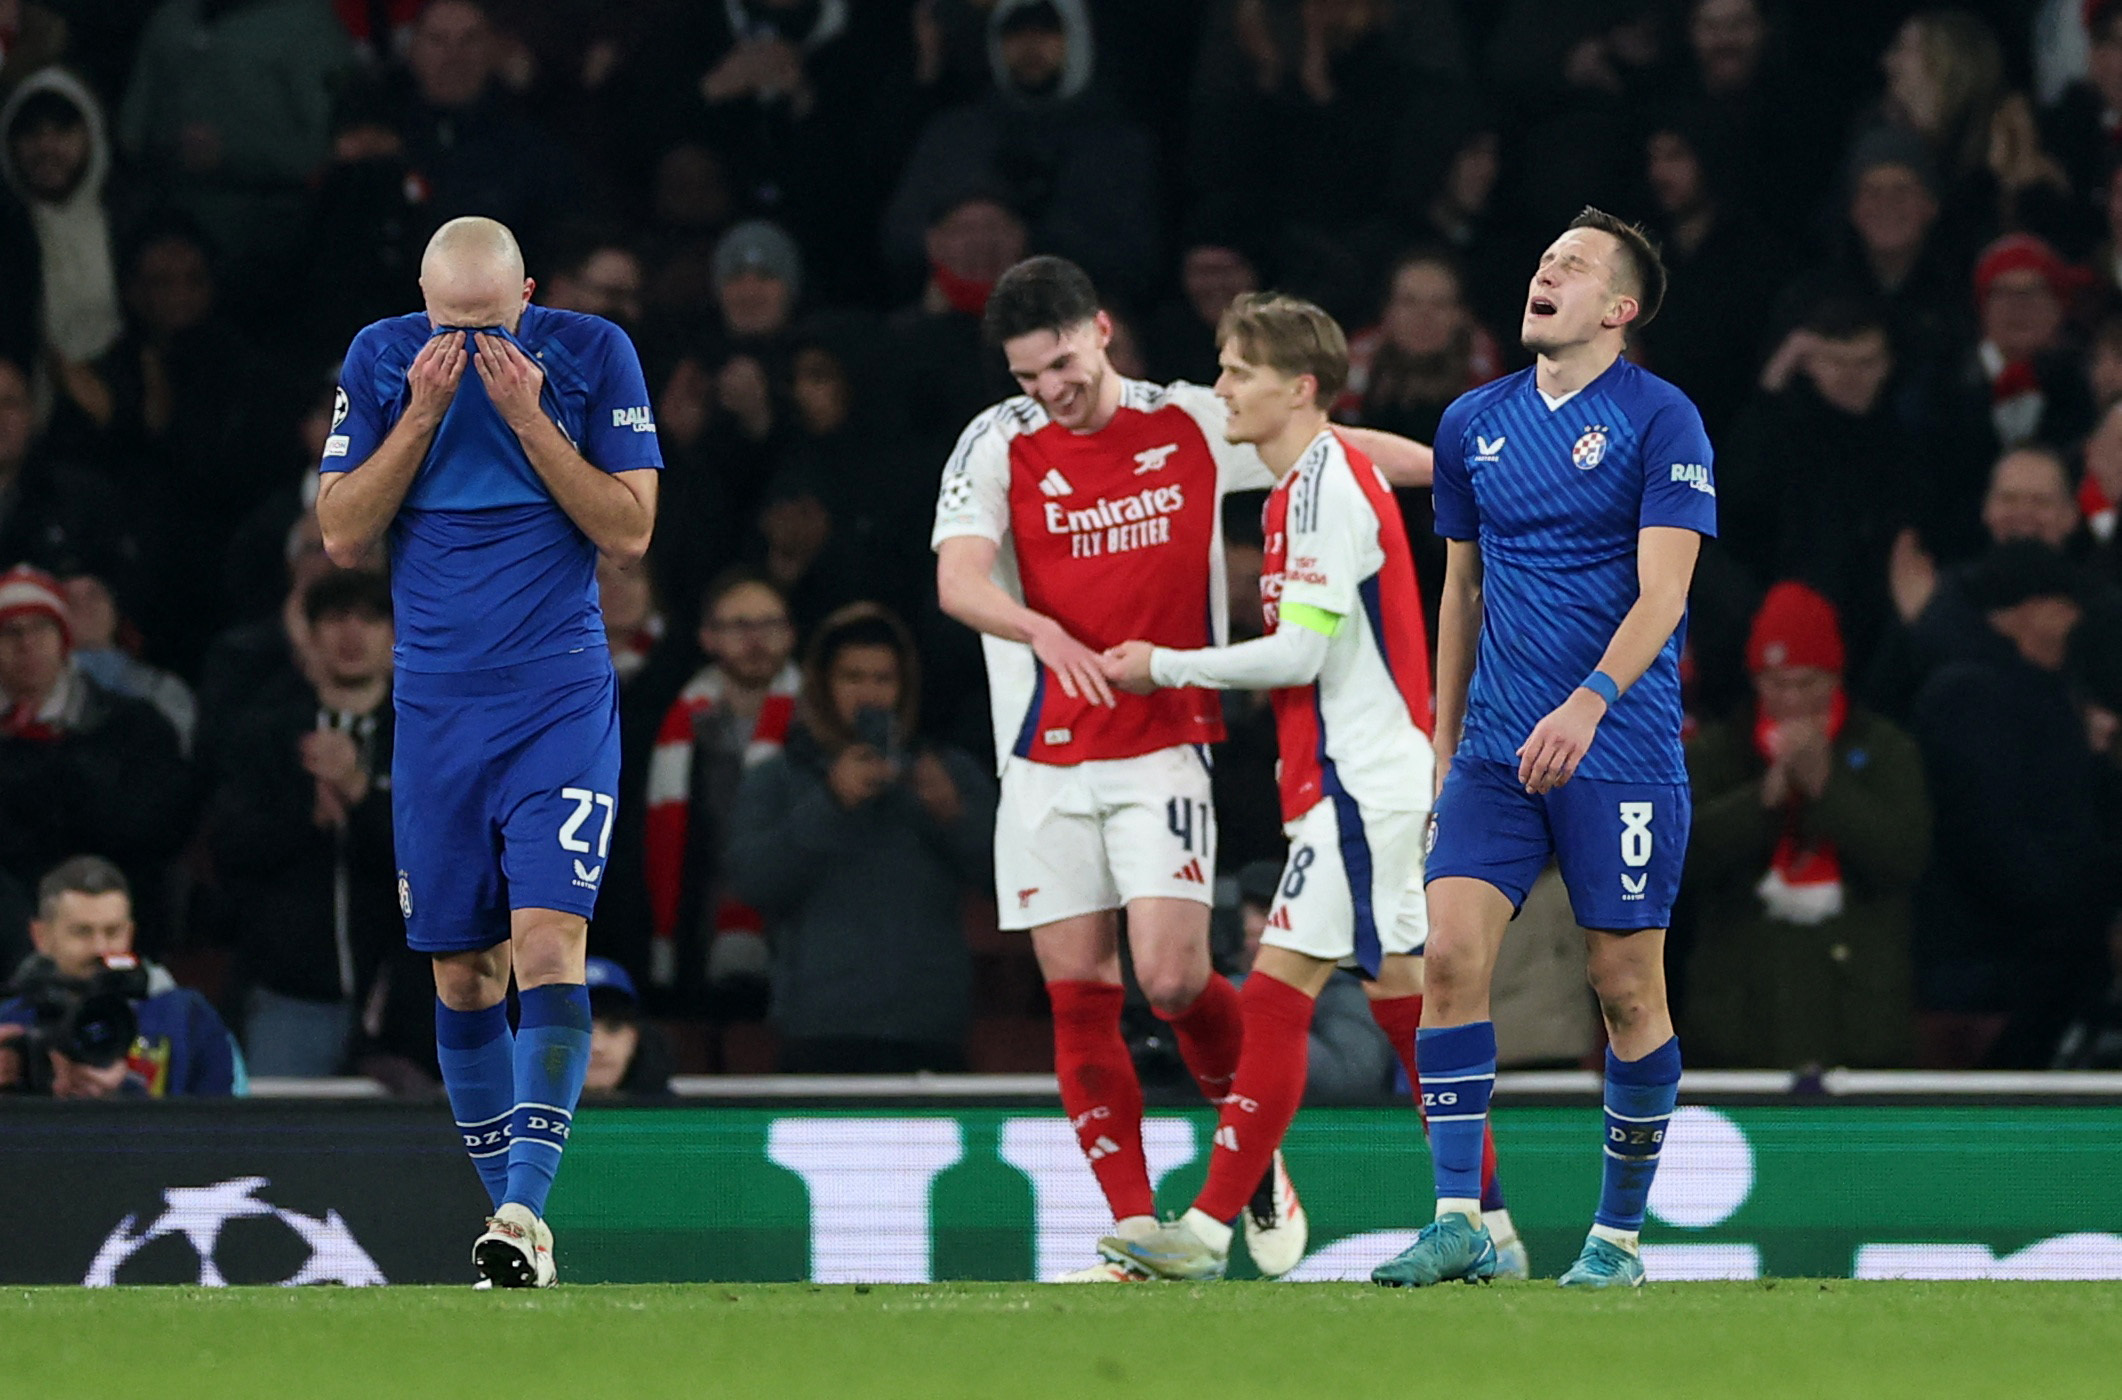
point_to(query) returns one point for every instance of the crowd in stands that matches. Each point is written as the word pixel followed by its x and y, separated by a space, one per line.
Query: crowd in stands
pixel 1895 242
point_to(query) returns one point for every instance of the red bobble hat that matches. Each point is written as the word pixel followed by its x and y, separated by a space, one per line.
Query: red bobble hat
pixel 1795 627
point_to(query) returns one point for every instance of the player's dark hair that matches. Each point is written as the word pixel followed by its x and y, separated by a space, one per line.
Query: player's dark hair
pixel 732 579
pixel 1645 267
pixel 1291 336
pixel 362 591
pixel 79 875
pixel 1039 294
pixel 1846 318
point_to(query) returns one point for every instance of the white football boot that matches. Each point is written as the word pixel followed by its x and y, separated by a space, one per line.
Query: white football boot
pixel 542 1243
pixel 1276 1230
pixel 507 1254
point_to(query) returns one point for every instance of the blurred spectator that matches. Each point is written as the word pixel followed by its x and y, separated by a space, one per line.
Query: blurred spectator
pixel 2011 914
pixel 255 573
pixel 84 917
pixel 53 513
pixel 2028 499
pixel 1350 1060
pixel 1082 175
pixel 2080 126
pixel 758 279
pixel 599 277
pixel 369 222
pixel 93 620
pixel 229 111
pixel 1887 249
pixel 1827 514
pixel 2019 384
pixel 1811 829
pixel 1569 74
pixel 627 1055
pixel 380 29
pixel 1309 141
pixel 1944 83
pixel 1724 270
pixel 734 713
pixel 942 372
pixel 56 159
pixel 1463 212
pixel 858 843
pixel 1182 332
pixel 300 830
pixel 254 658
pixel 1740 78
pixel 1425 351
pixel 633 622
pixel 1404 372
pixel 465 137
pixel 177 404
pixel 35 36
pixel 807 549
pixel 81 769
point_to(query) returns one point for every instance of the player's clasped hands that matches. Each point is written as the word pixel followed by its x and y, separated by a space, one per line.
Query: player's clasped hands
pixel 1127 666
pixel 1550 754
pixel 1080 670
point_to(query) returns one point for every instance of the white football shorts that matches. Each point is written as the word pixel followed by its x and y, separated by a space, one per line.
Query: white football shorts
pixel 1085 837
pixel 1351 889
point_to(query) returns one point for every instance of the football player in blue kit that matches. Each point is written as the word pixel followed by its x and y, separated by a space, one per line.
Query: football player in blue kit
pixel 498 446
pixel 1574 496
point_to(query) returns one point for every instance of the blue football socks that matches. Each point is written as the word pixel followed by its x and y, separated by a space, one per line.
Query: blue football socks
pixel 1640 1096
pixel 552 1059
pixel 1458 1067
pixel 478 1058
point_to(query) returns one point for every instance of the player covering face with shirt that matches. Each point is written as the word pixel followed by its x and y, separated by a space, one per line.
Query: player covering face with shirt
pixel 1346 663
pixel 1575 496
pixel 499 446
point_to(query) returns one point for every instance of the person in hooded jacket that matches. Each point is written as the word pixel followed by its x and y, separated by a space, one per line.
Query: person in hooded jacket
pixel 858 842
pixel 56 158
pixel 1081 175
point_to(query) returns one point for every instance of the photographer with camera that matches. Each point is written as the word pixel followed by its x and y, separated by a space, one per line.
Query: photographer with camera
pixel 85 1019
pixel 858 842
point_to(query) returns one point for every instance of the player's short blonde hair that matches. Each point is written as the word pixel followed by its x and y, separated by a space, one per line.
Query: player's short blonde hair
pixel 1291 336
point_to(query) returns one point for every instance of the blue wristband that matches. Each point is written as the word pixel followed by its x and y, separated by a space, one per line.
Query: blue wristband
pixel 1601 685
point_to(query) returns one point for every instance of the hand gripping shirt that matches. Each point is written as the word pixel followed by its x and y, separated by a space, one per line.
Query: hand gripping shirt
pixel 486 569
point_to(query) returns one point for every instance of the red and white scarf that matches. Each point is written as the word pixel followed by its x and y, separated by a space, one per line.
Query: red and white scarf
pixel 1804 880
pixel 670 789
pixel 2015 397
pixel 2097 508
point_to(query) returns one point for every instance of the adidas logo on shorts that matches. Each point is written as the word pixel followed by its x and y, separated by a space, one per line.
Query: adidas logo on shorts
pixel 1280 918
pixel 1191 873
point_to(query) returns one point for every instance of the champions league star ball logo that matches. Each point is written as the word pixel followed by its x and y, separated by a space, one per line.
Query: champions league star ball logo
pixel 199 1213
pixel 1590 449
pixel 405 895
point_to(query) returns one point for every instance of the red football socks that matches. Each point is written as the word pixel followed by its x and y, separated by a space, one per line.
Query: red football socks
pixel 1400 1018
pixel 1211 1033
pixel 1100 1092
pixel 1264 1095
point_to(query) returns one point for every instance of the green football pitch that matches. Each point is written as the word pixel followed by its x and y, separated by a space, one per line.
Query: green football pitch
pixel 1792 1337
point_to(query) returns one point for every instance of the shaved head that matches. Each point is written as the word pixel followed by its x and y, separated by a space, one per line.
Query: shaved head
pixel 472 275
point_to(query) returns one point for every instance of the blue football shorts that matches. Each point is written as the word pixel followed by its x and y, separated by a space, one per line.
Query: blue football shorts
pixel 1620 845
pixel 504 789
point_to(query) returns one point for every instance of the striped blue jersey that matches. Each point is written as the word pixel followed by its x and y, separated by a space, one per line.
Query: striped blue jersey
pixel 486 569
pixel 1555 493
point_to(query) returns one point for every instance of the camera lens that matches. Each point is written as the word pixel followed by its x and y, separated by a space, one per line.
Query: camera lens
pixel 102 1030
